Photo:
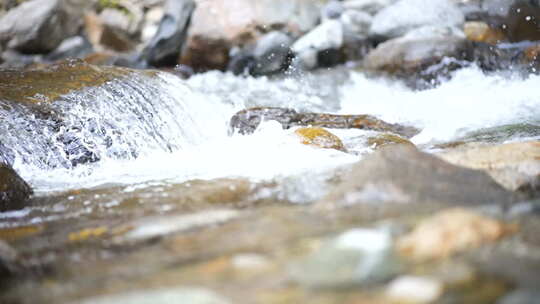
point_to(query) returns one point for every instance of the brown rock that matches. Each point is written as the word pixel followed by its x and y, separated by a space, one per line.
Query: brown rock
pixel 321 138
pixel 217 25
pixel 481 32
pixel 246 121
pixel 516 166
pixel 402 174
pixel 385 139
pixel 449 232
pixel 14 191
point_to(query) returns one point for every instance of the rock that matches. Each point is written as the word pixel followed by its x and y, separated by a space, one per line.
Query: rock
pixel 498 7
pixel 120 30
pixel 357 256
pixel 74 47
pixel 320 137
pixel 246 121
pixel 481 32
pixel 492 58
pixel 419 48
pixel 520 296
pixel 8 259
pixel 39 26
pixel 449 232
pixel 158 227
pixel 272 53
pixel 14 191
pixel 160 296
pixel 522 22
pixel 385 139
pixel 405 15
pixel 332 10
pixel 167 44
pixel 402 174
pixel 371 7
pixel 325 37
pixel 150 27
pixel 355 24
pixel 412 289
pixel 516 166
pixel 219 25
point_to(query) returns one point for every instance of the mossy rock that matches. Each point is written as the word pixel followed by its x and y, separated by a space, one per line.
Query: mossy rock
pixel 49 83
pixel 321 138
pixel 14 191
pixel 386 139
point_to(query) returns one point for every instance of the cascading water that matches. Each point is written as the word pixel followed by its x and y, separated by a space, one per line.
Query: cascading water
pixel 142 128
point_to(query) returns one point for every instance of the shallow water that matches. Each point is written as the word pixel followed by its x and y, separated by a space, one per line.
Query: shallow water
pixel 189 139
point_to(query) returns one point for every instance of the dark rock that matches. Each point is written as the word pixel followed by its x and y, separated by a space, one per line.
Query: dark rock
pixel 522 23
pixel 402 174
pixel 74 47
pixel 246 121
pixel 13 59
pixel 321 44
pixel 14 191
pixel 167 44
pixel 39 26
pixel 272 53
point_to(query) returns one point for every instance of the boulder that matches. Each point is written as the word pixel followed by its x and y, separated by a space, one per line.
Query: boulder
pixel 74 47
pixel 272 53
pixel 481 32
pixel 406 15
pixel 39 26
pixel 516 166
pixel 324 38
pixel 402 174
pixel 419 48
pixel 14 191
pixel 218 25
pixel 167 44
pixel 247 121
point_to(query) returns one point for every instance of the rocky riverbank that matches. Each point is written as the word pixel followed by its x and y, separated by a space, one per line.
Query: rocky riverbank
pixel 370 212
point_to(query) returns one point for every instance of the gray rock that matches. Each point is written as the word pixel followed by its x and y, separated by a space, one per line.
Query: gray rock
pixel 358 256
pixel 161 296
pixel 166 45
pixel 74 47
pixel 498 7
pixel 121 29
pixel 406 15
pixel 39 26
pixel 420 47
pixel 402 174
pixel 521 296
pixel 368 6
pixel 271 53
pixel 327 36
pixel 332 10
pixel 356 24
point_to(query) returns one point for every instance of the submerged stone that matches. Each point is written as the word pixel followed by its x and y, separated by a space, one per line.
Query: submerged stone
pixel 14 191
pixel 247 121
pixel 320 137
pixel 358 256
pixel 386 139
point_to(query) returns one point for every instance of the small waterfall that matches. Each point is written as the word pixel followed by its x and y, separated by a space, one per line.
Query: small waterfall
pixel 124 118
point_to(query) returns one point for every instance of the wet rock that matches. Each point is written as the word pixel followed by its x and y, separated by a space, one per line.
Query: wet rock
pixel 324 38
pixel 449 232
pixel 516 166
pixel 160 296
pixel 246 121
pixel 493 58
pixel 74 47
pixel 406 15
pixel 39 26
pixel 402 174
pixel 371 7
pixel 411 289
pixel 385 139
pixel 358 256
pixel 419 48
pixel 14 191
pixel 271 53
pixel 320 137
pixel 162 226
pixel 216 27
pixel 522 22
pixel 166 45
pixel 520 296
pixel 8 260
pixel 481 32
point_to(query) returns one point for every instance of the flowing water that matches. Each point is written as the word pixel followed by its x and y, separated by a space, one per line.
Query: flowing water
pixel 165 128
